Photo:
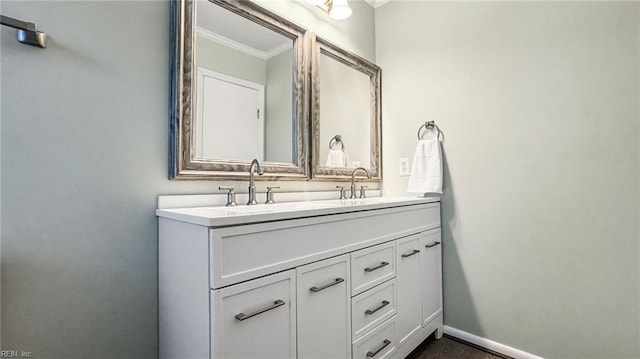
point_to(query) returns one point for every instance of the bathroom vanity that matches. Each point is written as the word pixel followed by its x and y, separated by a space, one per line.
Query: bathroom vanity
pixel 319 279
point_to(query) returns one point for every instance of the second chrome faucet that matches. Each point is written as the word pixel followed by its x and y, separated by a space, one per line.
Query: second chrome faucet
pixel 256 166
pixel 353 181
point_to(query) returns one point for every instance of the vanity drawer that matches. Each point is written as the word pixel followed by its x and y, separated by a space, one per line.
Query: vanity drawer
pixel 372 266
pixel 240 253
pixel 373 307
pixel 255 319
pixel 380 343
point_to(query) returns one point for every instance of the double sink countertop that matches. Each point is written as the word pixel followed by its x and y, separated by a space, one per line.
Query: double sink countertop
pixel 221 216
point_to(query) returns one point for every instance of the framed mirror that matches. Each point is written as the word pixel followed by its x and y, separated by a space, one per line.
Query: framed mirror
pixel 345 118
pixel 238 92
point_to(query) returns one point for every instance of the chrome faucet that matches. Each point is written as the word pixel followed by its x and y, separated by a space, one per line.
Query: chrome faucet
pixel 353 180
pixel 256 166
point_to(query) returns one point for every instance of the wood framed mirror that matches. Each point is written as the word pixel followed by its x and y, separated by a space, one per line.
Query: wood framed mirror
pixel 239 91
pixel 345 116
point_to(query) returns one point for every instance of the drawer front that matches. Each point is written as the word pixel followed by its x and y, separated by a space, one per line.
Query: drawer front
pixel 373 307
pixel 378 344
pixel 372 266
pixel 256 319
pixel 245 252
pixel 324 309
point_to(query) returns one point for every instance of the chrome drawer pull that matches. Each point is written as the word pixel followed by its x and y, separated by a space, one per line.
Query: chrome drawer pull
pixel 384 345
pixel 378 267
pixel 276 304
pixel 317 289
pixel 384 304
pixel 432 245
pixel 415 251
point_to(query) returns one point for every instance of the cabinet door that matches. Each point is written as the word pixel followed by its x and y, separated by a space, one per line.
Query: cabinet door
pixel 255 319
pixel 324 309
pixel 409 286
pixel 431 275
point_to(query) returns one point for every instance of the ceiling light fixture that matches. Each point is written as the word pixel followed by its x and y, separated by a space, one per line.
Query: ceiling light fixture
pixel 337 9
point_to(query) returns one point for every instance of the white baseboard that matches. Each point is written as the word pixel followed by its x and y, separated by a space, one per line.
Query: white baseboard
pixel 489 344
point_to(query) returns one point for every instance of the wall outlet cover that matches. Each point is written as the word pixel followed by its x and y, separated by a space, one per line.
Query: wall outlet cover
pixel 403 163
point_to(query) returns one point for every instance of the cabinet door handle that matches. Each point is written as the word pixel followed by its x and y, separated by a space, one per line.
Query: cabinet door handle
pixel 415 251
pixel 384 345
pixel 276 304
pixel 371 269
pixel 371 311
pixel 317 289
pixel 432 245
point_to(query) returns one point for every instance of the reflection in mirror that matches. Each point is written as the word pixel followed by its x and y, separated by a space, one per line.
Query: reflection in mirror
pixel 345 111
pixel 336 154
pixel 346 117
pixel 239 78
pixel 244 76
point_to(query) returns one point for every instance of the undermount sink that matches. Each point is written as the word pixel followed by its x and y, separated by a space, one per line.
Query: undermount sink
pixel 272 208
pixel 364 201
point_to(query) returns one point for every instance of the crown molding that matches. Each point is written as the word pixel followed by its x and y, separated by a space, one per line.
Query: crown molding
pixel 376 3
pixel 209 35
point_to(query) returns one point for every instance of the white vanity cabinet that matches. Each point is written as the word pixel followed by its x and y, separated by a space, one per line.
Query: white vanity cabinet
pixel 336 279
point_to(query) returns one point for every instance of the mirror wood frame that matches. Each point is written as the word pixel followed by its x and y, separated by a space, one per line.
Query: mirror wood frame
pixel 323 47
pixel 183 164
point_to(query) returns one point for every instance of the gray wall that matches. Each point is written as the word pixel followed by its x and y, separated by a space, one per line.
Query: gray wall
pixel 539 104
pixel 84 153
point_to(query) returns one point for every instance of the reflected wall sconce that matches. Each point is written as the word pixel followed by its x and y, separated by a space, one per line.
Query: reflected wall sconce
pixel 337 9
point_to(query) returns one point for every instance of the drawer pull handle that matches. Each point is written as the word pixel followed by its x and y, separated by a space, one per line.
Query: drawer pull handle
pixel 415 251
pixel 371 311
pixel 317 289
pixel 276 304
pixel 371 269
pixel 432 245
pixel 384 345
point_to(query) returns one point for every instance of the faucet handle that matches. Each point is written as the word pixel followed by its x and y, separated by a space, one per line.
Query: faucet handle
pixel 362 194
pixel 270 195
pixel 342 195
pixel 231 196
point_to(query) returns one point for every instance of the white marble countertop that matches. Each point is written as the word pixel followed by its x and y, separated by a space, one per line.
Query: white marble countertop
pixel 220 216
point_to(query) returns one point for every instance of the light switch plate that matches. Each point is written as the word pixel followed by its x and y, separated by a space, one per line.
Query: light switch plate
pixel 404 169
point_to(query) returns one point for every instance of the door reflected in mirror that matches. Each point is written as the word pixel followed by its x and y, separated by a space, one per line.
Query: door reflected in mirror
pixel 243 86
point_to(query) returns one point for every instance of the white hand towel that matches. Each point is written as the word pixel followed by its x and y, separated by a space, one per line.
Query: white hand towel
pixel 426 171
pixel 336 158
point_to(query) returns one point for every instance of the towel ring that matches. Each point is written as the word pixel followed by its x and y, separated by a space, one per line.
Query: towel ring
pixel 337 139
pixel 428 126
